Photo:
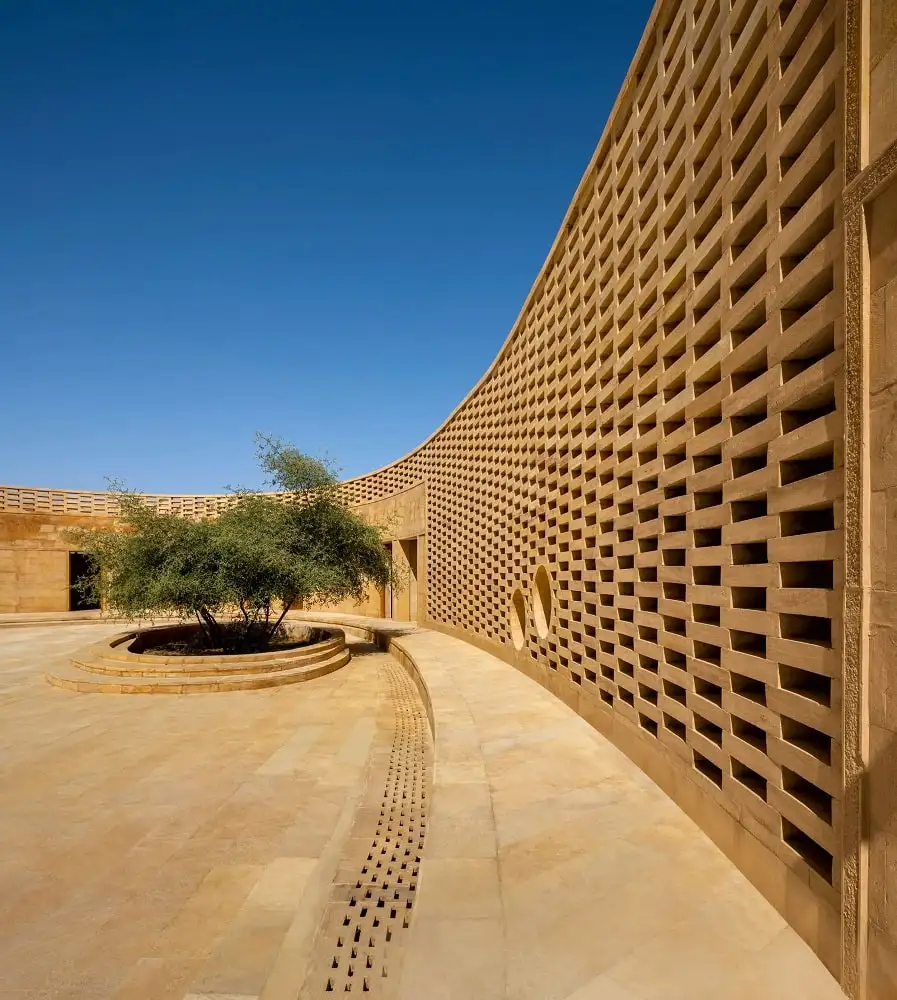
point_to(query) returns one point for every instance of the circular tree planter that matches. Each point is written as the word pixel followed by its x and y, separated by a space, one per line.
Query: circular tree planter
pixel 125 663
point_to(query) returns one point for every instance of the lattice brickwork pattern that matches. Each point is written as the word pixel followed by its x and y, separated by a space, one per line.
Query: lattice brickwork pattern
pixel 663 428
pixel 33 500
pixel 28 500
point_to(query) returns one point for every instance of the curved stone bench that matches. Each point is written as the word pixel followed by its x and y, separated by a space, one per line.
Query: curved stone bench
pixel 553 867
pixel 110 667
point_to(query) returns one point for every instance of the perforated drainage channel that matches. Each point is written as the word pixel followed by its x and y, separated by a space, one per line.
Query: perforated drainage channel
pixel 373 897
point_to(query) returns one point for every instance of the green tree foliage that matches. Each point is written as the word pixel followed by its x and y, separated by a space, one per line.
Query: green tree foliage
pixel 238 574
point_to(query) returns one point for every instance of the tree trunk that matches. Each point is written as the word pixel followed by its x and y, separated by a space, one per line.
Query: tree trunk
pixel 273 629
pixel 203 628
pixel 214 627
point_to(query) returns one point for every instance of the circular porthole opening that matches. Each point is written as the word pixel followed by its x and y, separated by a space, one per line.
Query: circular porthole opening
pixel 542 602
pixel 517 619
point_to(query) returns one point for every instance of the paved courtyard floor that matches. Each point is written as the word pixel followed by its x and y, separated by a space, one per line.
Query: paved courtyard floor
pixel 224 846
pixel 154 846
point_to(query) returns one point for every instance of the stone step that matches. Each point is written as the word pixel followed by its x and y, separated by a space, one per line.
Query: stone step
pixel 74 679
pixel 97 659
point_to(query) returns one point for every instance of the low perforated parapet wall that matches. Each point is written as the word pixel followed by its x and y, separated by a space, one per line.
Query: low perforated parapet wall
pixel 662 499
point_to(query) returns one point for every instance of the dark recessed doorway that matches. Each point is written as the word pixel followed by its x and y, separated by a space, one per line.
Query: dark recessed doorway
pixel 79 569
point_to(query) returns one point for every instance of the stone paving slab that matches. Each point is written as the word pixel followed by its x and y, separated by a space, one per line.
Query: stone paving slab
pixel 556 870
pixel 151 848
pixel 576 878
pixel 188 848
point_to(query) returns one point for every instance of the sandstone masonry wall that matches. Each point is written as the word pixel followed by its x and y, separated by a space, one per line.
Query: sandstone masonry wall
pixel 672 499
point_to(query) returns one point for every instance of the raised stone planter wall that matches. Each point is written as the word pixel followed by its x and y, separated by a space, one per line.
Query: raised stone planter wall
pixel 117 666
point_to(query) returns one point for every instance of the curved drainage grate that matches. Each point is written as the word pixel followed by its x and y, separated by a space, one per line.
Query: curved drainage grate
pixel 377 903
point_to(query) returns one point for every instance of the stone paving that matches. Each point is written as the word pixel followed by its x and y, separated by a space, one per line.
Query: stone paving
pixel 172 848
pixel 556 870
pixel 158 847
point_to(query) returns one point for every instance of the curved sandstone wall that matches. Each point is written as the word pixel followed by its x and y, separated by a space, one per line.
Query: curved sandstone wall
pixel 657 501
pixel 655 462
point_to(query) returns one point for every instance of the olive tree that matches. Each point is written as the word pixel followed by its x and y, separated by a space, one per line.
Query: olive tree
pixel 238 574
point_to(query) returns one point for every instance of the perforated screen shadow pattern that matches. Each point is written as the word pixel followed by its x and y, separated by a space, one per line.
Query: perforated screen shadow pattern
pixel 664 429
pixel 360 945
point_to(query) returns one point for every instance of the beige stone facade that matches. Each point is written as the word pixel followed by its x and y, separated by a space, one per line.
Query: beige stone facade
pixel 34 558
pixel 672 499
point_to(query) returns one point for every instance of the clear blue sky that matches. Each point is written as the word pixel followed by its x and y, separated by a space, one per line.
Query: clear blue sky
pixel 313 219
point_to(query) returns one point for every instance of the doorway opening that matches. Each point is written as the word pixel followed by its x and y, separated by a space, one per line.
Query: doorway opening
pixel 79 570
pixel 409 551
pixel 386 594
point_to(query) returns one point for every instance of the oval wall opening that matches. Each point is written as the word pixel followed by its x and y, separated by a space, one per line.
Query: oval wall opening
pixel 517 619
pixel 542 602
